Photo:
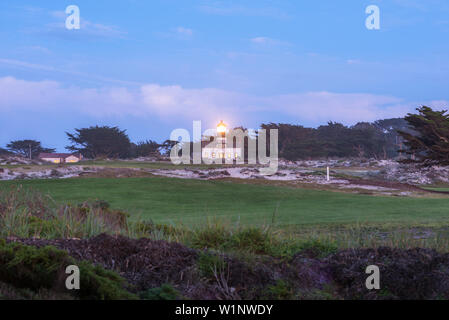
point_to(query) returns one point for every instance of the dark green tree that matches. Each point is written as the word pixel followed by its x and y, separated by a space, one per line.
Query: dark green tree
pixel 295 141
pixel 428 143
pixel 145 148
pixel 368 141
pixel 365 140
pixel 393 142
pixel 100 142
pixel 24 147
pixel 166 146
pixel 335 140
pixel 4 152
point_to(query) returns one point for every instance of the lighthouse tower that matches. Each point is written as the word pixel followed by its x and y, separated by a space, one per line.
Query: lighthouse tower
pixel 217 148
pixel 221 139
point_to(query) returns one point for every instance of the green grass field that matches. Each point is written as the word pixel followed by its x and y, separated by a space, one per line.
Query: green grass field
pixel 191 202
pixel 121 164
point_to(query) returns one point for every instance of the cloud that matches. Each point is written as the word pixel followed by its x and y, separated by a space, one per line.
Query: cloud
pixel 226 9
pixel 176 102
pixel 179 33
pixel 39 49
pixel 260 40
pixel 26 65
pixel 267 41
pixel 353 61
pixel 88 29
pixel 40 67
pixel 424 6
pixel 347 108
pixel 184 31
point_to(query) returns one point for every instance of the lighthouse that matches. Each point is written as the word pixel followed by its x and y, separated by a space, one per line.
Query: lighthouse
pixel 221 139
pixel 216 147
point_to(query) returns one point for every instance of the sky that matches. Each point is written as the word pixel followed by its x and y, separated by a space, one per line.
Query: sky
pixel 151 66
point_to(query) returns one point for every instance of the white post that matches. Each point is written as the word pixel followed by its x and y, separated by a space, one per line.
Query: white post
pixel 328 177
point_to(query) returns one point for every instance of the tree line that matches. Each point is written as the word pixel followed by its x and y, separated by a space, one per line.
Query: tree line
pixel 94 142
pixel 421 138
pixel 380 140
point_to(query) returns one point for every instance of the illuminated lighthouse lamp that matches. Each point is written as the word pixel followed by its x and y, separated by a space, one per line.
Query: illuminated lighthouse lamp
pixel 219 149
pixel 221 127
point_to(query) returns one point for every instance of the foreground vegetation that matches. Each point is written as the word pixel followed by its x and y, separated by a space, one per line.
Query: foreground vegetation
pixel 192 202
pixel 216 260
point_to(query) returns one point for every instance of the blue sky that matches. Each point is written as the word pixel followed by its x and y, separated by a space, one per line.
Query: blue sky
pixel 153 66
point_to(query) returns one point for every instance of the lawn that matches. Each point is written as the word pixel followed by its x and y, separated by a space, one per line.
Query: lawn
pixel 122 164
pixel 168 200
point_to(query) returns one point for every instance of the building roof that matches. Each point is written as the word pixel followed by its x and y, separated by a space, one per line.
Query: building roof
pixel 56 155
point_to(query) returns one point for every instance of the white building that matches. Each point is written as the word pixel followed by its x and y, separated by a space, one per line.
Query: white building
pixel 217 148
pixel 60 157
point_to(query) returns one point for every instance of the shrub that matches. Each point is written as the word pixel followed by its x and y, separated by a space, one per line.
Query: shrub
pixel 24 214
pixel 212 236
pixel 220 237
pixel 28 267
pixel 208 263
pixel 280 291
pixel 98 283
pixel 254 240
pixel 318 248
pixel 164 292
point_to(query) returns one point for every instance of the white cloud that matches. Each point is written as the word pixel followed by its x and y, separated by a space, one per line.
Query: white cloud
pixel 179 33
pixel 353 61
pixel 225 9
pixel 184 31
pixel 91 77
pixel 343 107
pixel 87 28
pixel 260 40
pixel 267 41
pixel 39 49
pixel 168 102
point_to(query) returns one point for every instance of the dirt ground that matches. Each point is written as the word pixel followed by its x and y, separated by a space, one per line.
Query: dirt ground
pixel 405 274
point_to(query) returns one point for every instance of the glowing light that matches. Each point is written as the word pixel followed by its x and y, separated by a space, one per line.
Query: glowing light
pixel 221 127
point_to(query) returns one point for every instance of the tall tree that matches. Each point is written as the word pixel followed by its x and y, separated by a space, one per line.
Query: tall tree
pixel 4 152
pixel 335 140
pixel 368 141
pixel 146 148
pixel 393 142
pixel 24 147
pixel 428 144
pixel 100 142
pixel 166 146
pixel 295 141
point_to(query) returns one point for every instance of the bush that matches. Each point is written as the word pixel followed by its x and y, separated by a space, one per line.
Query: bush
pixel 318 248
pixel 98 283
pixel 164 292
pixel 28 267
pixel 254 240
pixel 251 239
pixel 25 214
pixel 213 236
pixel 209 263
pixel 280 291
